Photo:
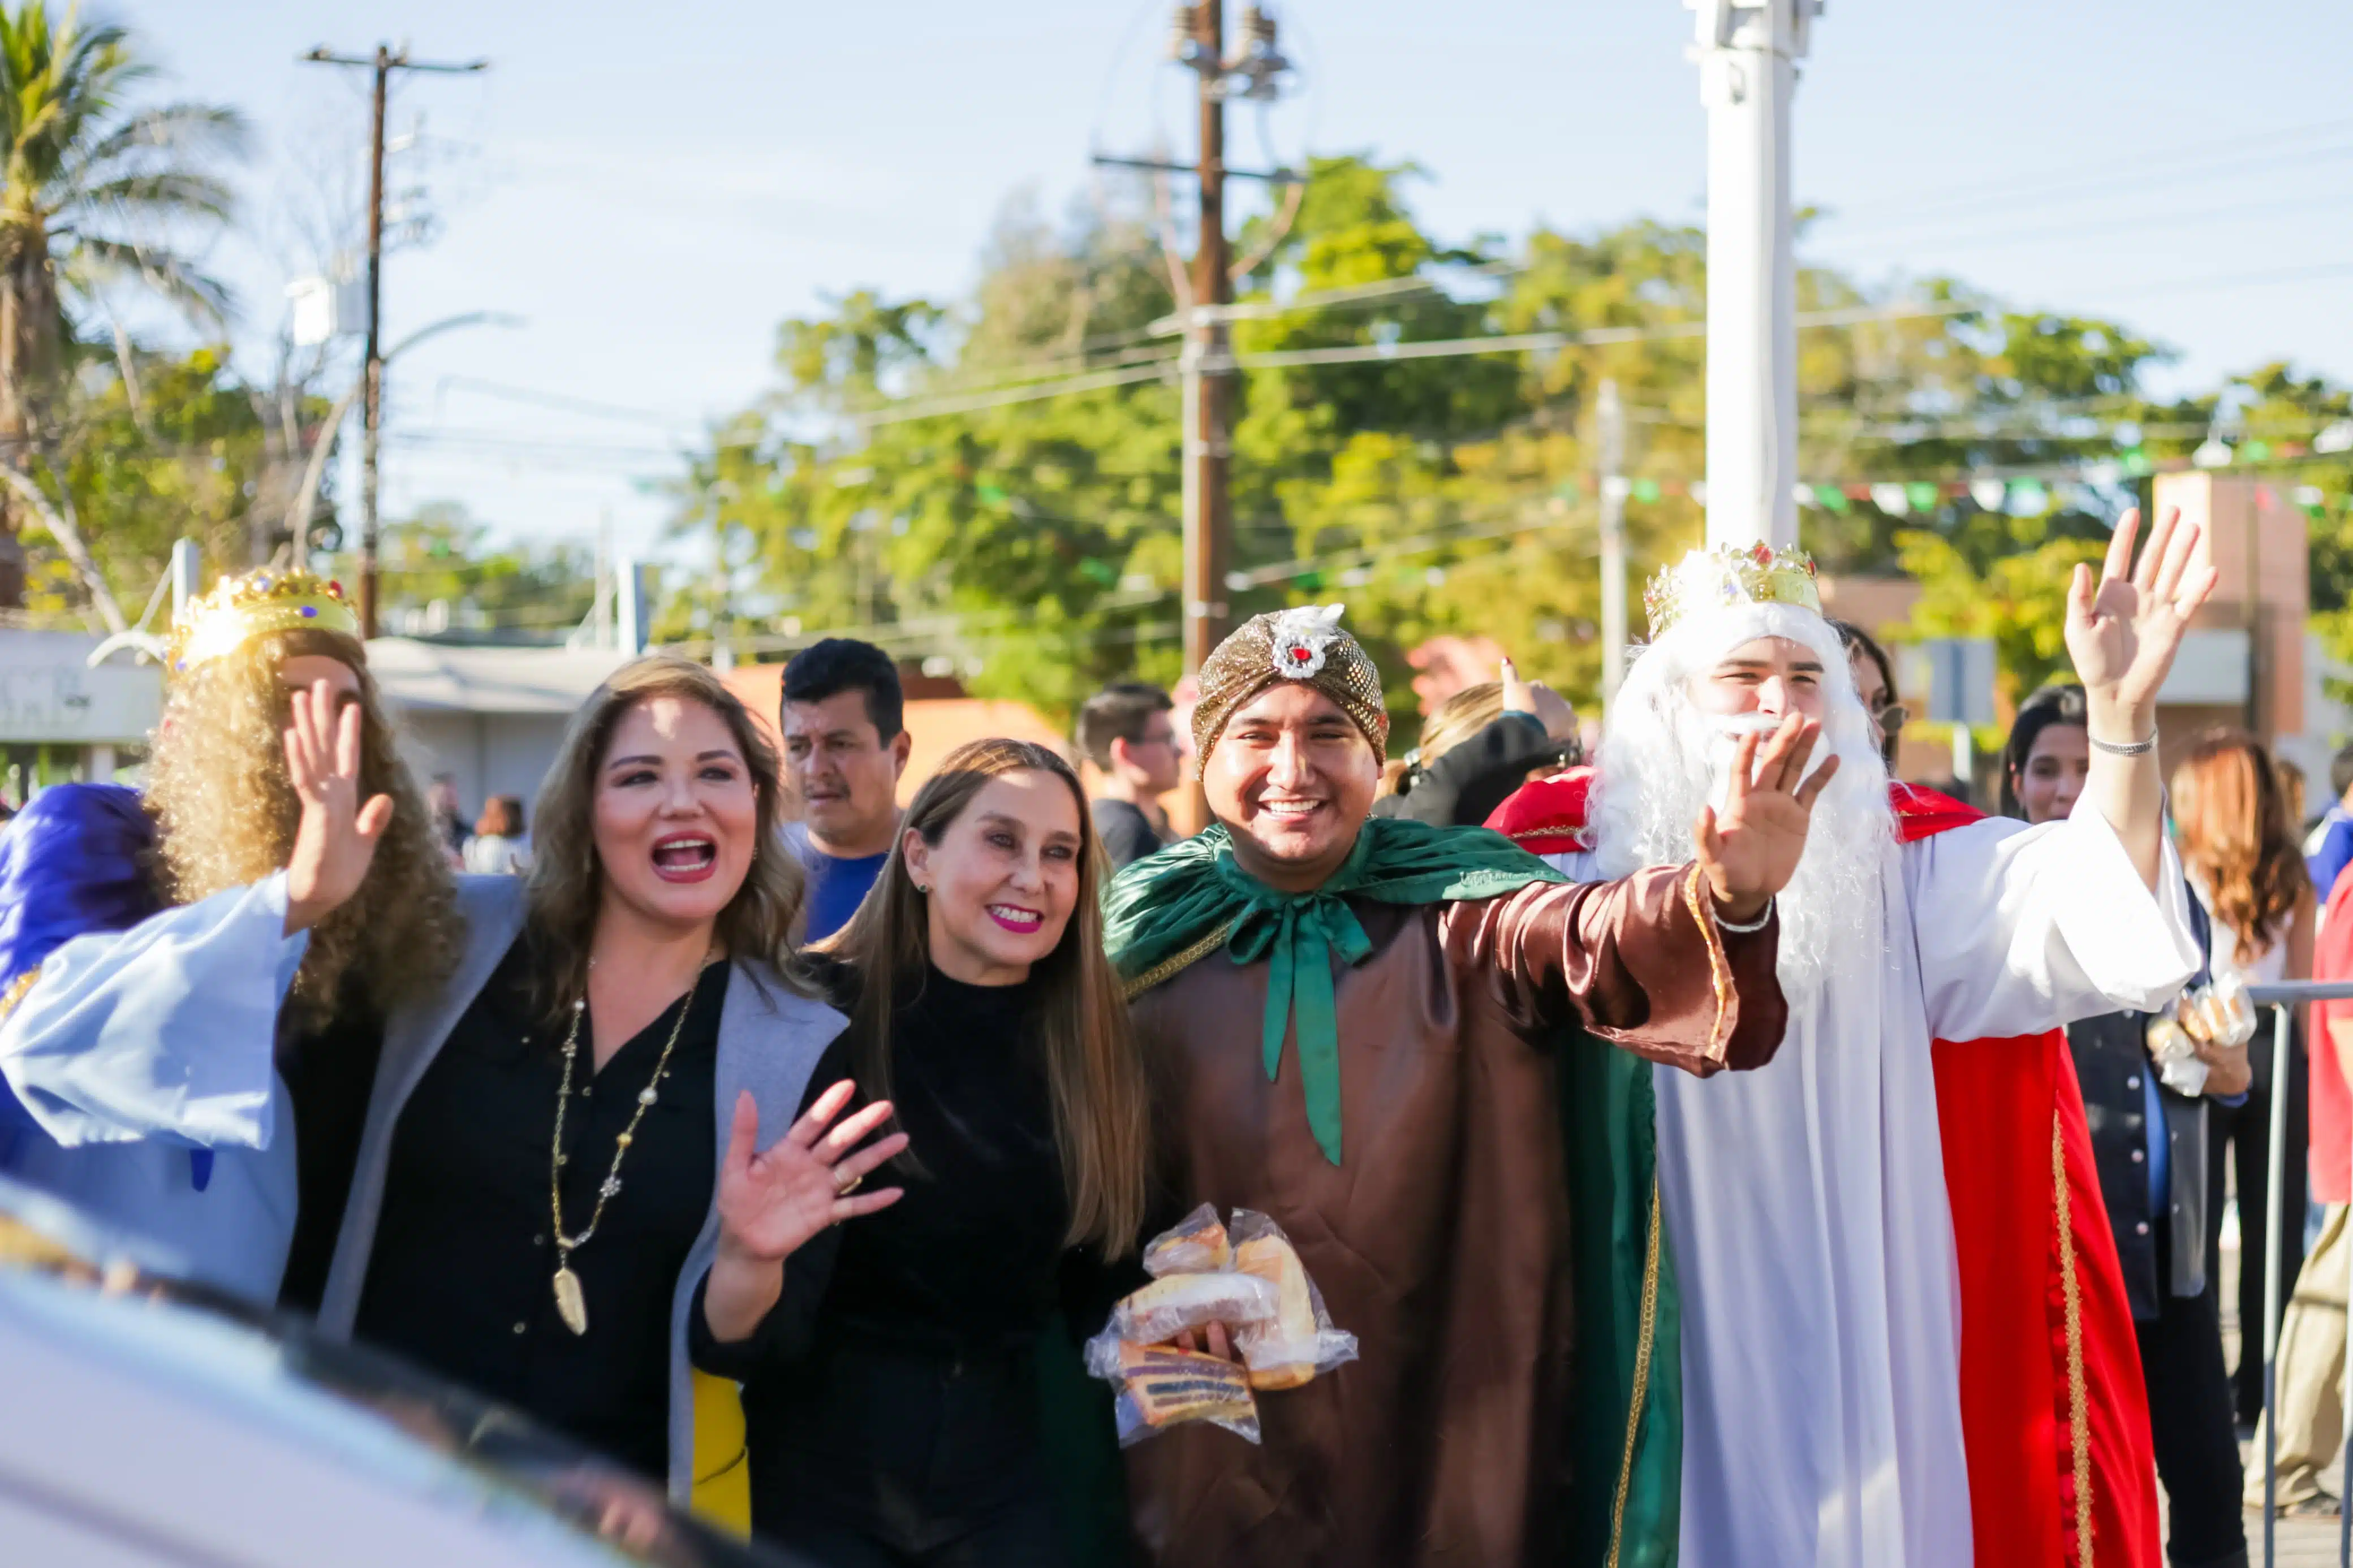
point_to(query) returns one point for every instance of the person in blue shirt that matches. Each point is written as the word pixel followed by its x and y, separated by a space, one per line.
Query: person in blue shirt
pixel 846 744
pixel 2328 848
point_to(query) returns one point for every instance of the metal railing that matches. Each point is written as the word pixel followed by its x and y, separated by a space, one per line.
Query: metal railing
pixel 2279 997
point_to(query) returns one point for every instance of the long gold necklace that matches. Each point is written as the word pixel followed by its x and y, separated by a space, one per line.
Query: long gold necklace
pixel 571 1301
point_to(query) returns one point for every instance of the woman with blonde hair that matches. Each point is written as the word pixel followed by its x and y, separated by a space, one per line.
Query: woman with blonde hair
pixel 891 1391
pixel 2241 852
pixel 195 979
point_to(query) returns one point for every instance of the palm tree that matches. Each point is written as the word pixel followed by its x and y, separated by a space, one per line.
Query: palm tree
pixel 93 194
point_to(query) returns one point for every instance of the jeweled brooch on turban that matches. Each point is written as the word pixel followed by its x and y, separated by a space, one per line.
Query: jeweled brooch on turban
pixel 1301 637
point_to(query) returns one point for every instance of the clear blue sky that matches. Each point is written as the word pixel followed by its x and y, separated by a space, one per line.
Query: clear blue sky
pixel 654 188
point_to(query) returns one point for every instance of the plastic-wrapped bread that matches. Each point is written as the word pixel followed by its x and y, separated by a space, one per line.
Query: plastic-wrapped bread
pixel 1296 1341
pixel 1170 1385
pixel 1197 1245
pixel 1281 1350
pixel 1167 1306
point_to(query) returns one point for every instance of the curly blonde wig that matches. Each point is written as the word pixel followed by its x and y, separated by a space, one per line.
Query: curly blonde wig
pixel 567 886
pixel 226 813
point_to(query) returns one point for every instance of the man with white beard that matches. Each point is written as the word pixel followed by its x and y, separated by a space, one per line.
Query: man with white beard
pixel 1833 1414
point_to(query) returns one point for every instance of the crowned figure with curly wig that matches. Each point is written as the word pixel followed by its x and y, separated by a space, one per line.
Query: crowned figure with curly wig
pixel 274 790
pixel 1358 1026
pixel 1903 1336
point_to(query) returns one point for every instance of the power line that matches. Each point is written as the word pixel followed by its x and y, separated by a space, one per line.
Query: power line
pixel 2138 160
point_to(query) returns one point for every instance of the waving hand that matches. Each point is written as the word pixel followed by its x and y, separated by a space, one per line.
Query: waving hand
pixel 1750 849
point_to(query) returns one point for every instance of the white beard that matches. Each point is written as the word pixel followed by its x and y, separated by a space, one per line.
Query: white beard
pixel 1662 759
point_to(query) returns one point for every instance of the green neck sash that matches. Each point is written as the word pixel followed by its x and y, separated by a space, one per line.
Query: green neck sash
pixel 1165 905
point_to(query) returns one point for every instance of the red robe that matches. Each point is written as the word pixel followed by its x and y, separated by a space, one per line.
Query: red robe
pixel 2061 1469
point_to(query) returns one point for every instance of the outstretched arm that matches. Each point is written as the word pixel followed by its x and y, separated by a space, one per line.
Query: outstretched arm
pixel 2123 633
pixel 1641 962
pixel 168 1030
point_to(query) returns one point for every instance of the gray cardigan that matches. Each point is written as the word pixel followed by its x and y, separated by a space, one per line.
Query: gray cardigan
pixel 769 1041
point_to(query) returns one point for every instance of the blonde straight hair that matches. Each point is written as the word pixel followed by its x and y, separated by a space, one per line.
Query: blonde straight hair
pixel 1102 1118
pixel 761 922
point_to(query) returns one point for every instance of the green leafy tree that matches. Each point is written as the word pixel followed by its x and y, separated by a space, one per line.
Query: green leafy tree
pixel 439 573
pixel 91 190
pixel 905 483
pixel 186 458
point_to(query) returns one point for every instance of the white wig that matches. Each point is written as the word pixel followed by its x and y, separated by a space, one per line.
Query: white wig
pixel 1662 759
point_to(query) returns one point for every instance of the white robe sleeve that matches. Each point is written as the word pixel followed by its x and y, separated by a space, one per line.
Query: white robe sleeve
pixel 2020 929
pixel 166 1031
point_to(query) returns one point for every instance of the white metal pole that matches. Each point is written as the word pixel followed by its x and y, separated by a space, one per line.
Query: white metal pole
pixel 2271 1217
pixel 1747 55
pixel 187 575
pixel 1610 415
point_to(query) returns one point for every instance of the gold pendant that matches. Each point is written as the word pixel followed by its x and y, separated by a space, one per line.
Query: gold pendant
pixel 571 1302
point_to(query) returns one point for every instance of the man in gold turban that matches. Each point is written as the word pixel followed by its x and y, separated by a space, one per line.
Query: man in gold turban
pixel 1358 1022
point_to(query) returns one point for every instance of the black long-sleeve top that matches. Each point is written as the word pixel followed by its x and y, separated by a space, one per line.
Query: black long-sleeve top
pixel 1463 786
pixel 461 1277
pixel 892 1388
pixel 971 1262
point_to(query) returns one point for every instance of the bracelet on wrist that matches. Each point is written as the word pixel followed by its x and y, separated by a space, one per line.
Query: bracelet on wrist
pixel 2123 748
pixel 1749 928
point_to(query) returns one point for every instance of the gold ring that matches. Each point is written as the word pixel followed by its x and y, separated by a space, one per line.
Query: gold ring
pixel 842 1189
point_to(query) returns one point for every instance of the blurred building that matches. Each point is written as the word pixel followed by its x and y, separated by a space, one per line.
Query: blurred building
pixel 490 717
pixel 62 720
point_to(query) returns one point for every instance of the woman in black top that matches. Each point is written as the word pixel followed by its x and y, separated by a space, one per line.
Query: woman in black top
pixel 891 1391
pixel 533 1199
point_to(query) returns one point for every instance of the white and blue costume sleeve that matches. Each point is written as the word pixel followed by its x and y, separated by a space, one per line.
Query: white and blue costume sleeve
pixel 167 1030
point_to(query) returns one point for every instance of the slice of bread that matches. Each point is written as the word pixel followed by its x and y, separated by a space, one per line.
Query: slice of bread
pixel 1274 1349
pixel 1169 1386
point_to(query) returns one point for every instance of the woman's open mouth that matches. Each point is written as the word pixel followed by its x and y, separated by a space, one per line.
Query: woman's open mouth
pixel 685 857
pixel 1015 918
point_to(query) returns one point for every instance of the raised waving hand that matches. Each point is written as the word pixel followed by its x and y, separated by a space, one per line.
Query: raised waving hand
pixel 335 841
pixel 771 1204
pixel 1750 848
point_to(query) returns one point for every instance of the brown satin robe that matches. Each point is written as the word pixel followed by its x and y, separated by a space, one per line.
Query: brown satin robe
pixel 1441 1241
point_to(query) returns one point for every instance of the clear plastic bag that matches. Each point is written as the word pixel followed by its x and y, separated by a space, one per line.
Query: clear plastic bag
pixel 2179 1066
pixel 1169 1306
pixel 1161 1386
pixel 1295 1341
pixel 1197 1245
pixel 1247 1277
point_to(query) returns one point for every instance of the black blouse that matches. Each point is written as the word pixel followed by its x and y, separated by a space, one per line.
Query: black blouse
pixel 971 1262
pixel 329 1075
pixel 462 1278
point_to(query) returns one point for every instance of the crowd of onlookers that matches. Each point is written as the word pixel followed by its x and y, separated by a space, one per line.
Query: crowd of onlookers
pixel 2173 1149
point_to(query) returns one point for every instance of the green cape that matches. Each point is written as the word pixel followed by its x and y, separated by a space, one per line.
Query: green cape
pixel 1625 1417
pixel 1164 907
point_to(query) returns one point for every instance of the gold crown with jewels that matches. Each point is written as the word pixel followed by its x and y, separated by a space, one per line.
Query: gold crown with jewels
pixel 240 610
pixel 1717 576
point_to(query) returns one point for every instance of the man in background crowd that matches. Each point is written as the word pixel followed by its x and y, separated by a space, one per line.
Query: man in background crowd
pixel 1128 731
pixel 2328 848
pixel 846 744
pixel 449 820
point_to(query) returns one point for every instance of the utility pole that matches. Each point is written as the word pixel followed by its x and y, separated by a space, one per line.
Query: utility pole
pixel 1747 51
pixel 1610 415
pixel 1206 367
pixel 1255 71
pixel 383 63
